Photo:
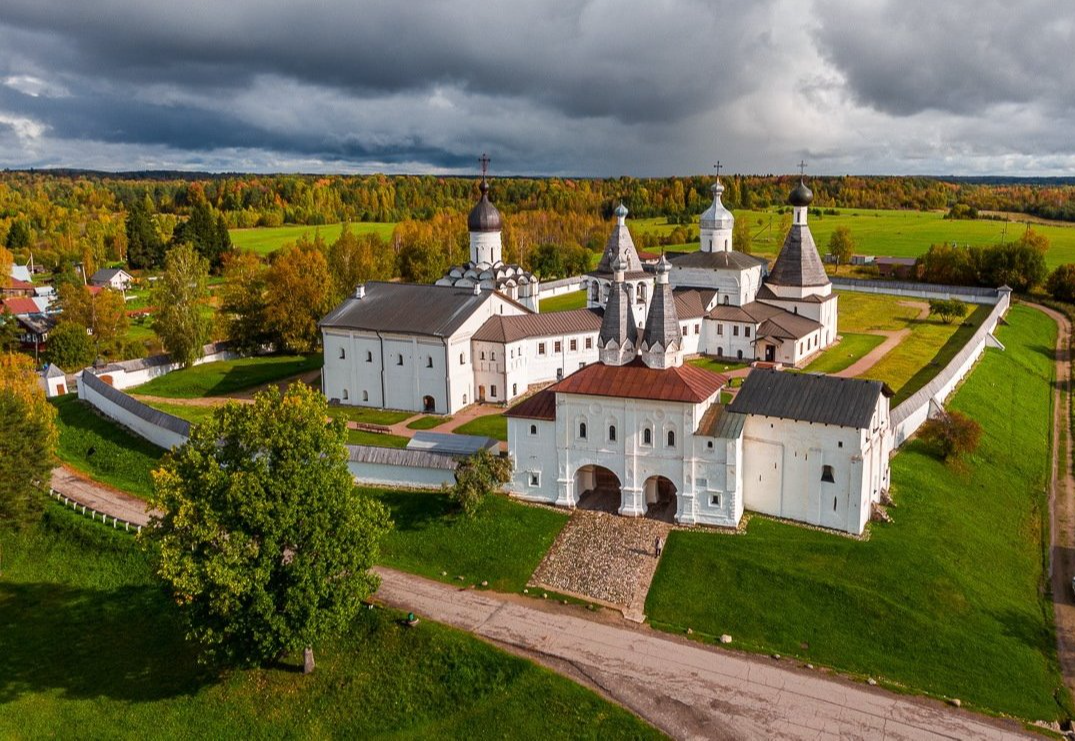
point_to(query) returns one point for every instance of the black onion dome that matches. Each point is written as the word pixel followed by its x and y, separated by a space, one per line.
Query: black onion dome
pixel 801 196
pixel 484 217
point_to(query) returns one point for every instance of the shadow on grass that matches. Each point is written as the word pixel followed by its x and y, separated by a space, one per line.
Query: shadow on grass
pixel 412 511
pixel 948 351
pixel 87 643
pixel 245 377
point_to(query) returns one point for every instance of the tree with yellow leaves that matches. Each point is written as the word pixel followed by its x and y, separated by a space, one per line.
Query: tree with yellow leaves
pixel 28 445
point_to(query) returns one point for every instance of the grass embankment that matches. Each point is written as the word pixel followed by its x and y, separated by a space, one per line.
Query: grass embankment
pixel 851 348
pixel 376 439
pixel 428 423
pixel 228 376
pixel 883 232
pixel 264 240
pixel 191 413
pixel 564 302
pixel 93 643
pixel 947 599
pixel 102 449
pixel 502 544
pixel 490 425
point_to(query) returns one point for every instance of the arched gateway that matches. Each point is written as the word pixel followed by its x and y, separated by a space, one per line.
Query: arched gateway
pixel 661 500
pixel 597 488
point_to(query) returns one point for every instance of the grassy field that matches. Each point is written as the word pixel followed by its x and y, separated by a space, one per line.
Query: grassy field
pixel 717 366
pixel 491 425
pixel 428 423
pixel 886 232
pixel 502 544
pixel 269 239
pixel 102 449
pixel 947 599
pixel 565 302
pixel 376 439
pixel 92 642
pixel 193 414
pixel 228 376
pixel 369 415
pixel 851 348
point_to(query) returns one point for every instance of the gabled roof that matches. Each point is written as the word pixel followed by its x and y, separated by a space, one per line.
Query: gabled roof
pixel 408 308
pixel 501 328
pixel 785 326
pixel 14 284
pixel 21 272
pixel 716 260
pixel 798 263
pixel 20 306
pixel 541 405
pixel 104 275
pixel 691 302
pixel 636 380
pixel 768 294
pixel 719 422
pixel 809 397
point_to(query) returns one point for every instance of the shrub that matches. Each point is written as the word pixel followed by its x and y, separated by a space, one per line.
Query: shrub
pixel 948 309
pixel 951 435
pixel 479 475
pixel 1061 283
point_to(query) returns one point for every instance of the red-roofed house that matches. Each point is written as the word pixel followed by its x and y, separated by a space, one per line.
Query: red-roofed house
pixel 20 306
pixel 16 287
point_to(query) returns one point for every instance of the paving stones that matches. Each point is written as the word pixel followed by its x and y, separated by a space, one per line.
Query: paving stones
pixel 603 556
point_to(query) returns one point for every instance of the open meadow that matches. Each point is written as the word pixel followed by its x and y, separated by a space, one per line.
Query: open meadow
pixel 264 240
pixel 889 233
pixel 948 599
pixel 94 648
pixel 225 377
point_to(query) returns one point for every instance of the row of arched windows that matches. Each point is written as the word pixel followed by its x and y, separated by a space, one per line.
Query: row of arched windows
pixel 647 435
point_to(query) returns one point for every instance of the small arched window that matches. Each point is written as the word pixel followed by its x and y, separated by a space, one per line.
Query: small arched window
pixel 365 396
pixel 612 433
pixel 533 429
pixel 827 474
pixel 462 359
pixel 429 362
pixel 343 354
pixel 647 436
pixel 345 395
pixel 369 356
pixel 671 438
pixel 399 360
pixel 582 430
pixel 514 389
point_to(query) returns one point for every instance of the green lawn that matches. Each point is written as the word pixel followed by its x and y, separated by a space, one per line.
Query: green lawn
pixel 884 232
pixel 369 415
pixel 377 439
pixel 851 348
pixel 864 312
pixel 502 544
pixel 102 449
pixel 490 425
pixel 92 643
pixel 947 599
pixel 264 240
pixel 717 366
pixel 193 414
pixel 228 376
pixel 564 302
pixel 428 423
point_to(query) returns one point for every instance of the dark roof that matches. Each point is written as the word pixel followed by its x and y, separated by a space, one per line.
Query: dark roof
pixel 636 380
pixel 691 302
pixel 541 405
pixel 409 308
pixel 662 321
pixel 617 324
pixel 106 274
pixel 397 457
pixel 501 328
pixel 39 324
pixel 448 443
pixel 772 321
pixel 809 397
pixel 719 422
pixel 620 243
pixel 484 217
pixel 768 294
pixel 143 411
pixel 716 260
pixel 798 263
pixel 800 195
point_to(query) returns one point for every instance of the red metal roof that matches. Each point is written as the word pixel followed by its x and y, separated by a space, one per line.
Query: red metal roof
pixel 636 380
pixel 20 305
pixel 14 284
pixel 541 405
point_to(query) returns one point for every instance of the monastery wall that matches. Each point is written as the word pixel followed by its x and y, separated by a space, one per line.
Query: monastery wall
pixel 163 430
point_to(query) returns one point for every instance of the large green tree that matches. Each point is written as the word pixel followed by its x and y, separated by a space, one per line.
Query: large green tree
pixel 179 296
pixel 264 541
pixel 241 318
pixel 1061 283
pixel 208 233
pixel 145 249
pixel 70 347
pixel 842 245
pixel 299 294
pixel 28 442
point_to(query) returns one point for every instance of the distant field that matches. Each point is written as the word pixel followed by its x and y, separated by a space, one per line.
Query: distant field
pixel 885 232
pixel 269 239
pixel 564 302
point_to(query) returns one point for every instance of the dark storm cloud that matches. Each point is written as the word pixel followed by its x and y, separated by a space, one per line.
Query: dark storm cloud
pixel 642 61
pixel 907 56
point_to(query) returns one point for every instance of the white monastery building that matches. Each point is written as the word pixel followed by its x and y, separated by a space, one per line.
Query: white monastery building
pixel 656 437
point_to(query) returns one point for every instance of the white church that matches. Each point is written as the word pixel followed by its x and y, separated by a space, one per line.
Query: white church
pixel 476 335
pixel 652 436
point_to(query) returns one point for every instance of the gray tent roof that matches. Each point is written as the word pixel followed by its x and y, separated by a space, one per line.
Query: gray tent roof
pixel 809 397
pixel 617 323
pixel 717 260
pixel 409 308
pixel 620 243
pixel 662 322
pixel 798 264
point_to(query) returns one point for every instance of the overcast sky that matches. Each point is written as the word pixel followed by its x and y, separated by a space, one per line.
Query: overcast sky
pixel 632 87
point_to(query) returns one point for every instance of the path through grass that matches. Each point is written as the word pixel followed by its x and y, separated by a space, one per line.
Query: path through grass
pixel 92 643
pixel 851 348
pixel 947 599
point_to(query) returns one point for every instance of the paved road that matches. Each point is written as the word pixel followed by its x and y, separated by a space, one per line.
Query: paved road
pixel 99 497
pixel 686 689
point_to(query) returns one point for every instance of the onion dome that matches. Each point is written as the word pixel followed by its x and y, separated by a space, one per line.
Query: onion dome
pixel 621 211
pixel 663 266
pixel 484 217
pixel 801 196
pixel 717 216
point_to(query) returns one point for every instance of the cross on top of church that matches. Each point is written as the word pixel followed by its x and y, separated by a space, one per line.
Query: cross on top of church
pixel 718 167
pixel 484 162
pixel 802 170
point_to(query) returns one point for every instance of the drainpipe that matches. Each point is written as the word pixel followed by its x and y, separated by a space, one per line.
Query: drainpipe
pixel 384 400
pixel 447 377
